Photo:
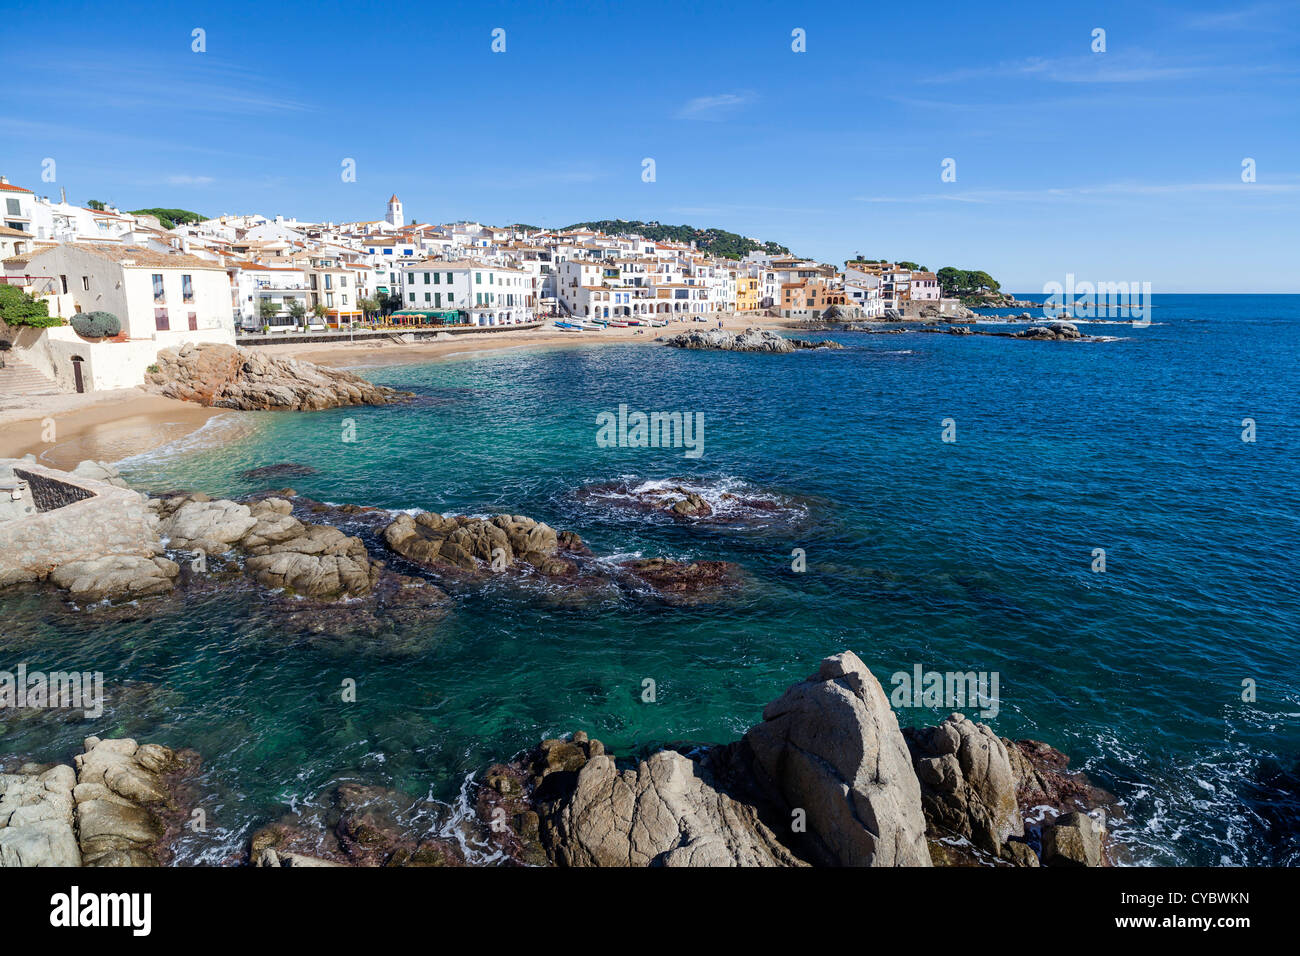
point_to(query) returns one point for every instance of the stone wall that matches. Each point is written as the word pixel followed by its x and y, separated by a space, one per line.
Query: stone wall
pixel 110 521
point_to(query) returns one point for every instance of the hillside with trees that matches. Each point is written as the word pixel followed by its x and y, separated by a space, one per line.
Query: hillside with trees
pixel 170 218
pixel 716 242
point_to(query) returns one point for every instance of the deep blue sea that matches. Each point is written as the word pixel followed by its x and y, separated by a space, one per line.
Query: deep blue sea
pixel 975 554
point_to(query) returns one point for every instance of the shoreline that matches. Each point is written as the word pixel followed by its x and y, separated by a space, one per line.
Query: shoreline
pixel 116 425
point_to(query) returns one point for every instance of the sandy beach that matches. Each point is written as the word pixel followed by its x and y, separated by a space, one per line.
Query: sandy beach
pixel 110 426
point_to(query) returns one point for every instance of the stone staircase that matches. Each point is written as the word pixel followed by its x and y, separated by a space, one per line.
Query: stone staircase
pixel 19 378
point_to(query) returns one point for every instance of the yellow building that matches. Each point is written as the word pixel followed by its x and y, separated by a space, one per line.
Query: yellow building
pixel 748 293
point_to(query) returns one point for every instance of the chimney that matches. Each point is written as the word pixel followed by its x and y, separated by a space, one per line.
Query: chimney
pixel 4 180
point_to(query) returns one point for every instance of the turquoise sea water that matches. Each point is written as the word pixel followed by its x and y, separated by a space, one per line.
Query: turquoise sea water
pixel 972 555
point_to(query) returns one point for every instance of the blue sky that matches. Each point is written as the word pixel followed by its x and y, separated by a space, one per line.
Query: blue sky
pixel 1122 165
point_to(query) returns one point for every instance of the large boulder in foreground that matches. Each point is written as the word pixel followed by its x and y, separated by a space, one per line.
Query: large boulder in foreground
pixel 824 779
pixel 226 376
pixel 831 746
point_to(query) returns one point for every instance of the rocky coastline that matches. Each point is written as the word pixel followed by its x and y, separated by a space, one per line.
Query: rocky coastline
pixel 328 580
pixel 826 778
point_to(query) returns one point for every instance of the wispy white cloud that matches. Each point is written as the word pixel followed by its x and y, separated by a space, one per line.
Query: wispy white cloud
pixel 1084 193
pixel 716 107
pixel 198 84
pixel 184 180
pixel 1257 16
pixel 1134 66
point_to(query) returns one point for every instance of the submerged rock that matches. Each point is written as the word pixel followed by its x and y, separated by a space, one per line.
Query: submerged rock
pixel 685 581
pixel 365 825
pixel 283 470
pixel 226 376
pixel 702 503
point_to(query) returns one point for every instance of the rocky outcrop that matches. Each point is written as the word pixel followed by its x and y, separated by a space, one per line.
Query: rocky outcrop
pixel 37 817
pixel 831 747
pixel 313 560
pixel 124 802
pixel 708 503
pixel 1074 839
pixel 482 544
pixel 316 560
pixel 200 523
pixel 226 376
pixel 97 533
pixel 824 779
pixel 690 506
pixel 752 339
pixel 119 807
pixel 666 812
pixel 987 798
pixel 1051 332
pixel 827 778
pixel 968 788
pixel 122 577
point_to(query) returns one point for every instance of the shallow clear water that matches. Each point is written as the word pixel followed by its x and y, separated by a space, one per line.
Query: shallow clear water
pixel 973 555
